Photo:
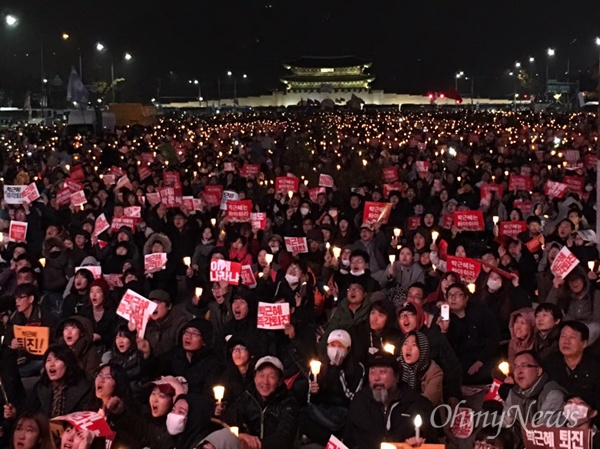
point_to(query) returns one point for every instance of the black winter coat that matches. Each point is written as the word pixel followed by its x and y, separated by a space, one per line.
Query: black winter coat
pixel 202 373
pixel 77 396
pixel 275 421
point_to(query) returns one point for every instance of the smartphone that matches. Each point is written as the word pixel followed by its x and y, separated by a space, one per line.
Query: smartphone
pixel 445 312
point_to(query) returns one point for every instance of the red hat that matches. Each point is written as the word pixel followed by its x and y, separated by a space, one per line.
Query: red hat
pixel 101 282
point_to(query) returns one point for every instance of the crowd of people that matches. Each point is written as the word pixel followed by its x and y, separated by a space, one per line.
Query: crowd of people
pixel 409 313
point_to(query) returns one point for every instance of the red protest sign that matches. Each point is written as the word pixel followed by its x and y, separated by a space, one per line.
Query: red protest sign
pixel 117 171
pixel 389 188
pixel 171 179
pixel 535 244
pixel 376 212
pixel 335 443
pixel 91 421
pixel 286 184
pixel 325 180
pixel 153 198
pixel 187 202
pixel 296 244
pixel 520 182
pixel 225 270
pixel 447 221
pixel 170 196
pixel 78 198
pixel 155 262
pixel 137 309
pixel 469 220
pixel 229 166
pixel 314 193
pixel 543 437
pixel 591 161
pixel 554 189
pixel 572 156
pixel 239 211
pixel 17 231
pixel 119 222
pixel 258 220
pixel 73 185
pixel 422 167
pixel 526 170
pixel 488 190
pixel 101 225
pixel 247 276
pixel 390 174
pixel 147 157
pixel 30 193
pixel 574 184
pixel 109 180
pixel 133 211
pixel 250 170
pixel 273 316
pixel 413 223
pixel 143 172
pixel 564 263
pixel 463 423
pixel 512 228
pixel 526 207
pixel 467 268
pixel 212 195
pixel 76 172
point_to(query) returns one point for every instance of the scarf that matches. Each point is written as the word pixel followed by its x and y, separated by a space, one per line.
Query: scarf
pixel 58 399
pixel 412 374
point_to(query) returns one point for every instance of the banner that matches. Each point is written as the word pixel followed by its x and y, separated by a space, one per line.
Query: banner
pixel 296 244
pixel 78 199
pixel 187 202
pixel 171 179
pixel 73 185
pixel 239 211
pixel 228 195
pixel 109 180
pixel 535 244
pixel 133 211
pixel 469 220
pixel 526 207
pixel 286 184
pixel 155 262
pixel 225 270
pixel 250 170
pixel 212 195
pixel 543 437
pixel 30 193
pixel 325 180
pixel 414 223
pixel 258 220
pixel 447 221
pixel 101 225
pixel 335 443
pixel 17 231
pixel 96 270
pixel 422 167
pixel 35 339
pixel 376 213
pixel 519 182
pixel 76 172
pixel 143 172
pixel 137 309
pixel 247 275
pixel 170 196
pixel 487 190
pixel 564 263
pixel 14 194
pixel 554 189
pixel 153 198
pixel 118 222
pixel 390 174
pixel 273 316
pixel 575 184
pixel 90 421
pixel 467 268
pixel 512 228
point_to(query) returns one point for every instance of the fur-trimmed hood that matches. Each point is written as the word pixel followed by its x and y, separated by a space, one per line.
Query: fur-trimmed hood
pixel 157 237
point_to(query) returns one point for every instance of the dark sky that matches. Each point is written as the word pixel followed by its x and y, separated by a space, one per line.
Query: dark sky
pixel 415 46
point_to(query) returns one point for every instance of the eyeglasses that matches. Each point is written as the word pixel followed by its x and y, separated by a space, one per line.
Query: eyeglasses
pixel 524 366
pixel 456 295
pixel 22 297
pixel 239 348
pixel 104 376
pixel 406 315
pixel 191 333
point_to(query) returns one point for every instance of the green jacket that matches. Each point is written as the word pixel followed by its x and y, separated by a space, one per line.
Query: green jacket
pixel 344 318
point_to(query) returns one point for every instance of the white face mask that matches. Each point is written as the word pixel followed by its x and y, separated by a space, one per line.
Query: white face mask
pixel 175 423
pixel 493 285
pixel 304 210
pixel 345 263
pixel 589 188
pixel 336 355
pixel 357 272
pixel 274 249
pixel 575 413
pixel 291 279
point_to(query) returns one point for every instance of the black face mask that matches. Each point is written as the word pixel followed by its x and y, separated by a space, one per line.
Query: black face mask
pixel 54 254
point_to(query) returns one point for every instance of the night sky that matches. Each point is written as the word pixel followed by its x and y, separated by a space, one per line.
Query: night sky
pixel 415 47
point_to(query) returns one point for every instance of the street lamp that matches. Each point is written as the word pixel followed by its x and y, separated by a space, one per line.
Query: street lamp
pixel 65 36
pixel 550 54
pixel 229 73
pixel 11 20
pixel 197 83
pixel 128 57
pixel 457 76
pixel 100 47
pixel 517 65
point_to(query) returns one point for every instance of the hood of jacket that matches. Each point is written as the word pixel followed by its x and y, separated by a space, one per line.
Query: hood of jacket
pixel 160 238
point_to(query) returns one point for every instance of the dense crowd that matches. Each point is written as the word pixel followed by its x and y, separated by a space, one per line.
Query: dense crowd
pixel 411 312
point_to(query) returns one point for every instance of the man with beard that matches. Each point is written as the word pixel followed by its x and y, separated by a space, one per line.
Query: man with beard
pixel 387 409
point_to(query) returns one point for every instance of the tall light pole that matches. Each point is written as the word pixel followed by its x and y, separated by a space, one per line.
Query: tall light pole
pixel 457 76
pixel 199 84
pixel 230 75
pixel 66 37
pixel 550 53
pixel 101 48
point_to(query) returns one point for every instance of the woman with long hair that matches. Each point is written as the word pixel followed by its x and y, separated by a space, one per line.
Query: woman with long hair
pixel 32 431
